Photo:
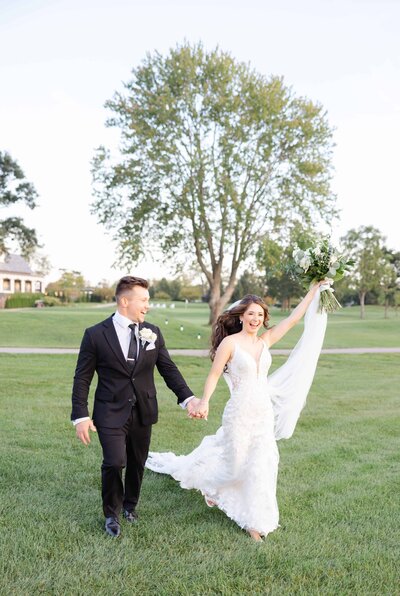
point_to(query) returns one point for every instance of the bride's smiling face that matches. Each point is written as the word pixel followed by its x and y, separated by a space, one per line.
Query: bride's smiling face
pixel 252 318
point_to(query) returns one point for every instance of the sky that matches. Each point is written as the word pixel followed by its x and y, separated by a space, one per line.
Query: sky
pixel 60 60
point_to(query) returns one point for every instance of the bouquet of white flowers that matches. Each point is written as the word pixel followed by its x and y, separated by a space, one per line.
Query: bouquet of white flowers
pixel 321 262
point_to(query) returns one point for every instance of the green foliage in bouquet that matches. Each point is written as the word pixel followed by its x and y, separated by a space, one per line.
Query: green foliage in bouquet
pixel 321 261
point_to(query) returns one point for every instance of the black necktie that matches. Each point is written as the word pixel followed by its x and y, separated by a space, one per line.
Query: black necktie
pixel 133 347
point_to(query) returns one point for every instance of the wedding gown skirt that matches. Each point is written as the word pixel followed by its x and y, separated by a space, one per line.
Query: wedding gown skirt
pixel 237 467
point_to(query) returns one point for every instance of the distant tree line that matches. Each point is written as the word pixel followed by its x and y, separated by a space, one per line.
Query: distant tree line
pixel 72 287
pixel 177 289
pixel 375 278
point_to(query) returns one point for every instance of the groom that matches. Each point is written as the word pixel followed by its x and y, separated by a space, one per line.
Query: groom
pixel 123 352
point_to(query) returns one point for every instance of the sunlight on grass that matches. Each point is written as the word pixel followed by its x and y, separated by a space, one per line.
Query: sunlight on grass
pixel 337 493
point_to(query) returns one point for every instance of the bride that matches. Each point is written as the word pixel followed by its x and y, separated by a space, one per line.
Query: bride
pixel 236 469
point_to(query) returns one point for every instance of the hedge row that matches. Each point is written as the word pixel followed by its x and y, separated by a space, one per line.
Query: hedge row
pixel 23 300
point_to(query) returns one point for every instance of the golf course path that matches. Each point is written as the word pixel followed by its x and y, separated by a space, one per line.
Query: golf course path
pixel 203 353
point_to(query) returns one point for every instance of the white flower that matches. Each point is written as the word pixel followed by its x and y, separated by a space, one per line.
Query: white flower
pixel 305 262
pixel 146 334
pixel 298 254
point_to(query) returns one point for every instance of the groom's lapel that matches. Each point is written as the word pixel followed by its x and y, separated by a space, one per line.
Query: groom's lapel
pixel 112 339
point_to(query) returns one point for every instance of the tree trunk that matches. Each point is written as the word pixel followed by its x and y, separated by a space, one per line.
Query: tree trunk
pixel 285 304
pixel 215 299
pixel 218 302
pixel 386 308
pixel 362 305
pixel 215 311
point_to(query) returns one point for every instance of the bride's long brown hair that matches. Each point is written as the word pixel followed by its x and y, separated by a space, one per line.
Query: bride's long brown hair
pixel 229 322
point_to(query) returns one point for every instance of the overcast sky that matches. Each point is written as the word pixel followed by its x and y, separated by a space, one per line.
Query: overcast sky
pixel 61 60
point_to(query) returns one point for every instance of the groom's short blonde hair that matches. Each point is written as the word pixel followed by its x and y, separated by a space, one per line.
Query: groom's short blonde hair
pixel 127 283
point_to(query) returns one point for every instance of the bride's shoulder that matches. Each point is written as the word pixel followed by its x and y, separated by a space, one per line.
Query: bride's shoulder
pixel 230 340
pixel 227 344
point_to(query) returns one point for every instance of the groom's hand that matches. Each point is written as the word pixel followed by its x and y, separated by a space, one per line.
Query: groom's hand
pixel 82 430
pixel 199 409
pixel 192 407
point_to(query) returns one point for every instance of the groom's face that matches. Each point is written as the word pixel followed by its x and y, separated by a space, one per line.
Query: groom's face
pixel 135 303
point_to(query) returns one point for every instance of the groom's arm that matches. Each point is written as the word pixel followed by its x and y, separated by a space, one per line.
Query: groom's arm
pixel 85 369
pixel 175 381
pixel 171 374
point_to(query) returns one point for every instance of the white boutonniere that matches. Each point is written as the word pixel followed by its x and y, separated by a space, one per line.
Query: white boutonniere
pixel 147 335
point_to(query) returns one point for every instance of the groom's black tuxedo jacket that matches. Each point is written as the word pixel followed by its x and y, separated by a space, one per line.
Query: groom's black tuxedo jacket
pixel 119 386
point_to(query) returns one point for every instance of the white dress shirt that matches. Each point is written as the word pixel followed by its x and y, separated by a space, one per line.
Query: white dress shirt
pixel 123 331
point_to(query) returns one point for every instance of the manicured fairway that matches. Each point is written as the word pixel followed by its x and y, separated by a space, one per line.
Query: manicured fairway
pixel 338 494
pixel 64 326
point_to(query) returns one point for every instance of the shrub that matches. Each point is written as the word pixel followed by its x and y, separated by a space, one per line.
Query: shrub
pixel 162 296
pixel 51 301
pixel 22 300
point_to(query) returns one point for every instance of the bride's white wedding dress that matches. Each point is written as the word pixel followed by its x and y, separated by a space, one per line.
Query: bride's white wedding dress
pixel 237 467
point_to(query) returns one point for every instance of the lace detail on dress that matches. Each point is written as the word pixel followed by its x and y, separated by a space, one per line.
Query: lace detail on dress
pixel 242 368
pixel 237 467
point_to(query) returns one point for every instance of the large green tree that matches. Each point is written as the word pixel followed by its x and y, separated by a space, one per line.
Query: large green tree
pixel 212 157
pixel 15 188
pixel 250 282
pixel 365 245
pixel 390 279
pixel 273 258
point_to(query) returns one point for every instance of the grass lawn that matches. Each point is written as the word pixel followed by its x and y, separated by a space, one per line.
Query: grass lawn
pixel 338 494
pixel 64 326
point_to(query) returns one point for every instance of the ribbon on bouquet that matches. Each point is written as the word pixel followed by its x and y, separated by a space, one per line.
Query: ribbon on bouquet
pixel 327 300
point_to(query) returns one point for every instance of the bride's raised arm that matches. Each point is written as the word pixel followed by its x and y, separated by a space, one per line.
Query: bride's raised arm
pixel 271 336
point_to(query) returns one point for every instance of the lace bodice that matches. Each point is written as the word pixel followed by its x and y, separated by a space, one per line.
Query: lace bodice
pixel 243 369
pixel 237 467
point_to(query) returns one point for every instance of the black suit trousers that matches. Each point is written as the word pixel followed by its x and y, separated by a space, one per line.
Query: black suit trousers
pixel 125 447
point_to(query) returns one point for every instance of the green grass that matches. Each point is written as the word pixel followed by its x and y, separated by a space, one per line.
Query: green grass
pixel 64 326
pixel 337 491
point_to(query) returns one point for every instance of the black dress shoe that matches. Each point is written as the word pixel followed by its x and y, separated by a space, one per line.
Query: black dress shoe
pixel 112 527
pixel 130 516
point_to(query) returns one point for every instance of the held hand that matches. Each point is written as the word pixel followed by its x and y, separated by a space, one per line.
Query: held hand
pixel 82 430
pixel 319 284
pixel 327 281
pixel 201 410
pixel 192 407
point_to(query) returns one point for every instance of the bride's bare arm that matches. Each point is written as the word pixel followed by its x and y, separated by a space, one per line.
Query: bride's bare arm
pixel 222 355
pixel 271 336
